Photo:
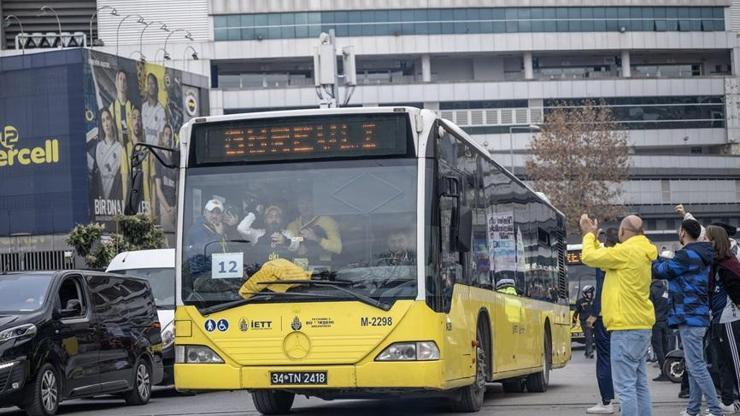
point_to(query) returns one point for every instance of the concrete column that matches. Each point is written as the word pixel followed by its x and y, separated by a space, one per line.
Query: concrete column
pixel 528 68
pixel 736 61
pixel 626 69
pixel 426 68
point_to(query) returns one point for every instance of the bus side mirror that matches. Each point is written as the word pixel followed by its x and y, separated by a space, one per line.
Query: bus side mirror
pixel 464 233
pixel 134 194
pixel 138 155
pixel 137 182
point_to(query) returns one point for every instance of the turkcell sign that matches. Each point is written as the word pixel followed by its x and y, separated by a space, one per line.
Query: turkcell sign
pixel 13 153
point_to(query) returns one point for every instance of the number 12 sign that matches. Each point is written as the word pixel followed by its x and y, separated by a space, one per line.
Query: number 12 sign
pixel 227 265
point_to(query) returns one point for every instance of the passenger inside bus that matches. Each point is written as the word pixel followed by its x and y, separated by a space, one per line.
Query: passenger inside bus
pixel 398 251
pixel 270 238
pixel 202 233
pixel 320 233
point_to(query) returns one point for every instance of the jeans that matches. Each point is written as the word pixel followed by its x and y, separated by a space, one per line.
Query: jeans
pixel 660 342
pixel 603 363
pixel 700 383
pixel 629 370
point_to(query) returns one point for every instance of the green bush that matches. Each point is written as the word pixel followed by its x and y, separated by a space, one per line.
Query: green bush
pixel 133 232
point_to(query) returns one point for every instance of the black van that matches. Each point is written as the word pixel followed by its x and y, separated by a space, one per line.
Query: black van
pixel 73 334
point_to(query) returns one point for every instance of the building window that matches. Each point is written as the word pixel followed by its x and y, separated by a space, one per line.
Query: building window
pixel 647 113
pixel 467 21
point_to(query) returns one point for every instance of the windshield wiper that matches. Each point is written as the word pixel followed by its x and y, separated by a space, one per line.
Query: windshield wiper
pixel 256 295
pixel 334 285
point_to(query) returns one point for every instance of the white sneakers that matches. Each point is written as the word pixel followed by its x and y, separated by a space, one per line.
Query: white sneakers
pixel 601 409
pixel 729 409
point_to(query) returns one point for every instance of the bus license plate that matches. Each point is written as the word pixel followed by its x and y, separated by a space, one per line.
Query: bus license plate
pixel 298 377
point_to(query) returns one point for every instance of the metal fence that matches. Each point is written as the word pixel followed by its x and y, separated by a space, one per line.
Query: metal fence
pixel 37 260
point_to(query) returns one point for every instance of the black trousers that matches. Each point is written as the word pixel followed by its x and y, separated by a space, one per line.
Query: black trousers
pixel 727 338
pixel 659 341
pixel 588 335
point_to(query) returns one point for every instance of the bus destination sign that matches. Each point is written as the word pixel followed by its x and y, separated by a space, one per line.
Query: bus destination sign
pixel 302 138
pixel 573 257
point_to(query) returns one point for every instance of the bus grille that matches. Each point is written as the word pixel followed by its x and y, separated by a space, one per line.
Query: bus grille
pixel 323 350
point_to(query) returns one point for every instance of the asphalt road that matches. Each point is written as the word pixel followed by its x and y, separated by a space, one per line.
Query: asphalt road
pixel 571 391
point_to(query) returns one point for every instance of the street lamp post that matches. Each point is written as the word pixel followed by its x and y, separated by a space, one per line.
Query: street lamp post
pixel 6 23
pixel 118 29
pixel 45 9
pixel 165 57
pixel 511 140
pixel 185 54
pixel 113 12
pixel 141 35
pixel 188 36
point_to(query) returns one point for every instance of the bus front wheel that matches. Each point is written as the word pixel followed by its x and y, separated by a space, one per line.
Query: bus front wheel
pixel 272 402
pixel 470 398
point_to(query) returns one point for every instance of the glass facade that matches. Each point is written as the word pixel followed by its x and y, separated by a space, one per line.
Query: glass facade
pixel 468 20
pixel 643 113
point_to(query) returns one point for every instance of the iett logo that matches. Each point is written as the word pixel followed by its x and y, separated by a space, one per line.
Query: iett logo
pixel 10 155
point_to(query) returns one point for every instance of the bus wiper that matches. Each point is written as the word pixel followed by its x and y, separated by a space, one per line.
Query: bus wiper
pixel 228 305
pixel 334 285
pixel 256 295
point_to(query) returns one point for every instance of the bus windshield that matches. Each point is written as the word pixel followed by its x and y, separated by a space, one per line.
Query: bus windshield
pixel 348 223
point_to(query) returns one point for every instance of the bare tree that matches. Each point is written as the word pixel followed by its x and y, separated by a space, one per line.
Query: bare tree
pixel 579 160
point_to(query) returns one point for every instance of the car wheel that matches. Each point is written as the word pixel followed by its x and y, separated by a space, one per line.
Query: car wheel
pixel 142 391
pixel 272 402
pixel 42 396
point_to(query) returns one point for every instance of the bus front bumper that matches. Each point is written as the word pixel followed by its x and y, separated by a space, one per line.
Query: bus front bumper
pixel 420 375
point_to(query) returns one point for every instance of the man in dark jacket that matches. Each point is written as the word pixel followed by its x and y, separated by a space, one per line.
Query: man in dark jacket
pixel 661 332
pixel 688 285
pixel 584 310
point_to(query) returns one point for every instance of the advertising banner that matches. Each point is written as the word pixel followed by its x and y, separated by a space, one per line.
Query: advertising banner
pixel 129 102
pixel 68 121
pixel 42 173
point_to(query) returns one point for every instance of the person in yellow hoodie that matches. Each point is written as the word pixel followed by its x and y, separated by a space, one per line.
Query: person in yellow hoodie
pixel 625 306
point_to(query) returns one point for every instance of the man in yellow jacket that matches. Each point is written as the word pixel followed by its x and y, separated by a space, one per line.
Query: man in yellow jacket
pixel 625 306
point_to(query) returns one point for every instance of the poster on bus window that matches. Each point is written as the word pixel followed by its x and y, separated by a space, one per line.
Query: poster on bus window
pixel 128 102
pixel 502 241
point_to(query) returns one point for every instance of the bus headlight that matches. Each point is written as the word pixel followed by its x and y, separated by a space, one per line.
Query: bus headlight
pixel 196 354
pixel 410 351
pixel 168 335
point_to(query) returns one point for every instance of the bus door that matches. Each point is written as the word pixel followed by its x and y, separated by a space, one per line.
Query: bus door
pixel 507 321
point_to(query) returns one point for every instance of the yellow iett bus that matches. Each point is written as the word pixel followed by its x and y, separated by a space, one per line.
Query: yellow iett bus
pixel 355 253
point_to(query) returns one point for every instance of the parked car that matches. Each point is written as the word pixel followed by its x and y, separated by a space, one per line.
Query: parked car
pixel 158 268
pixel 71 334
